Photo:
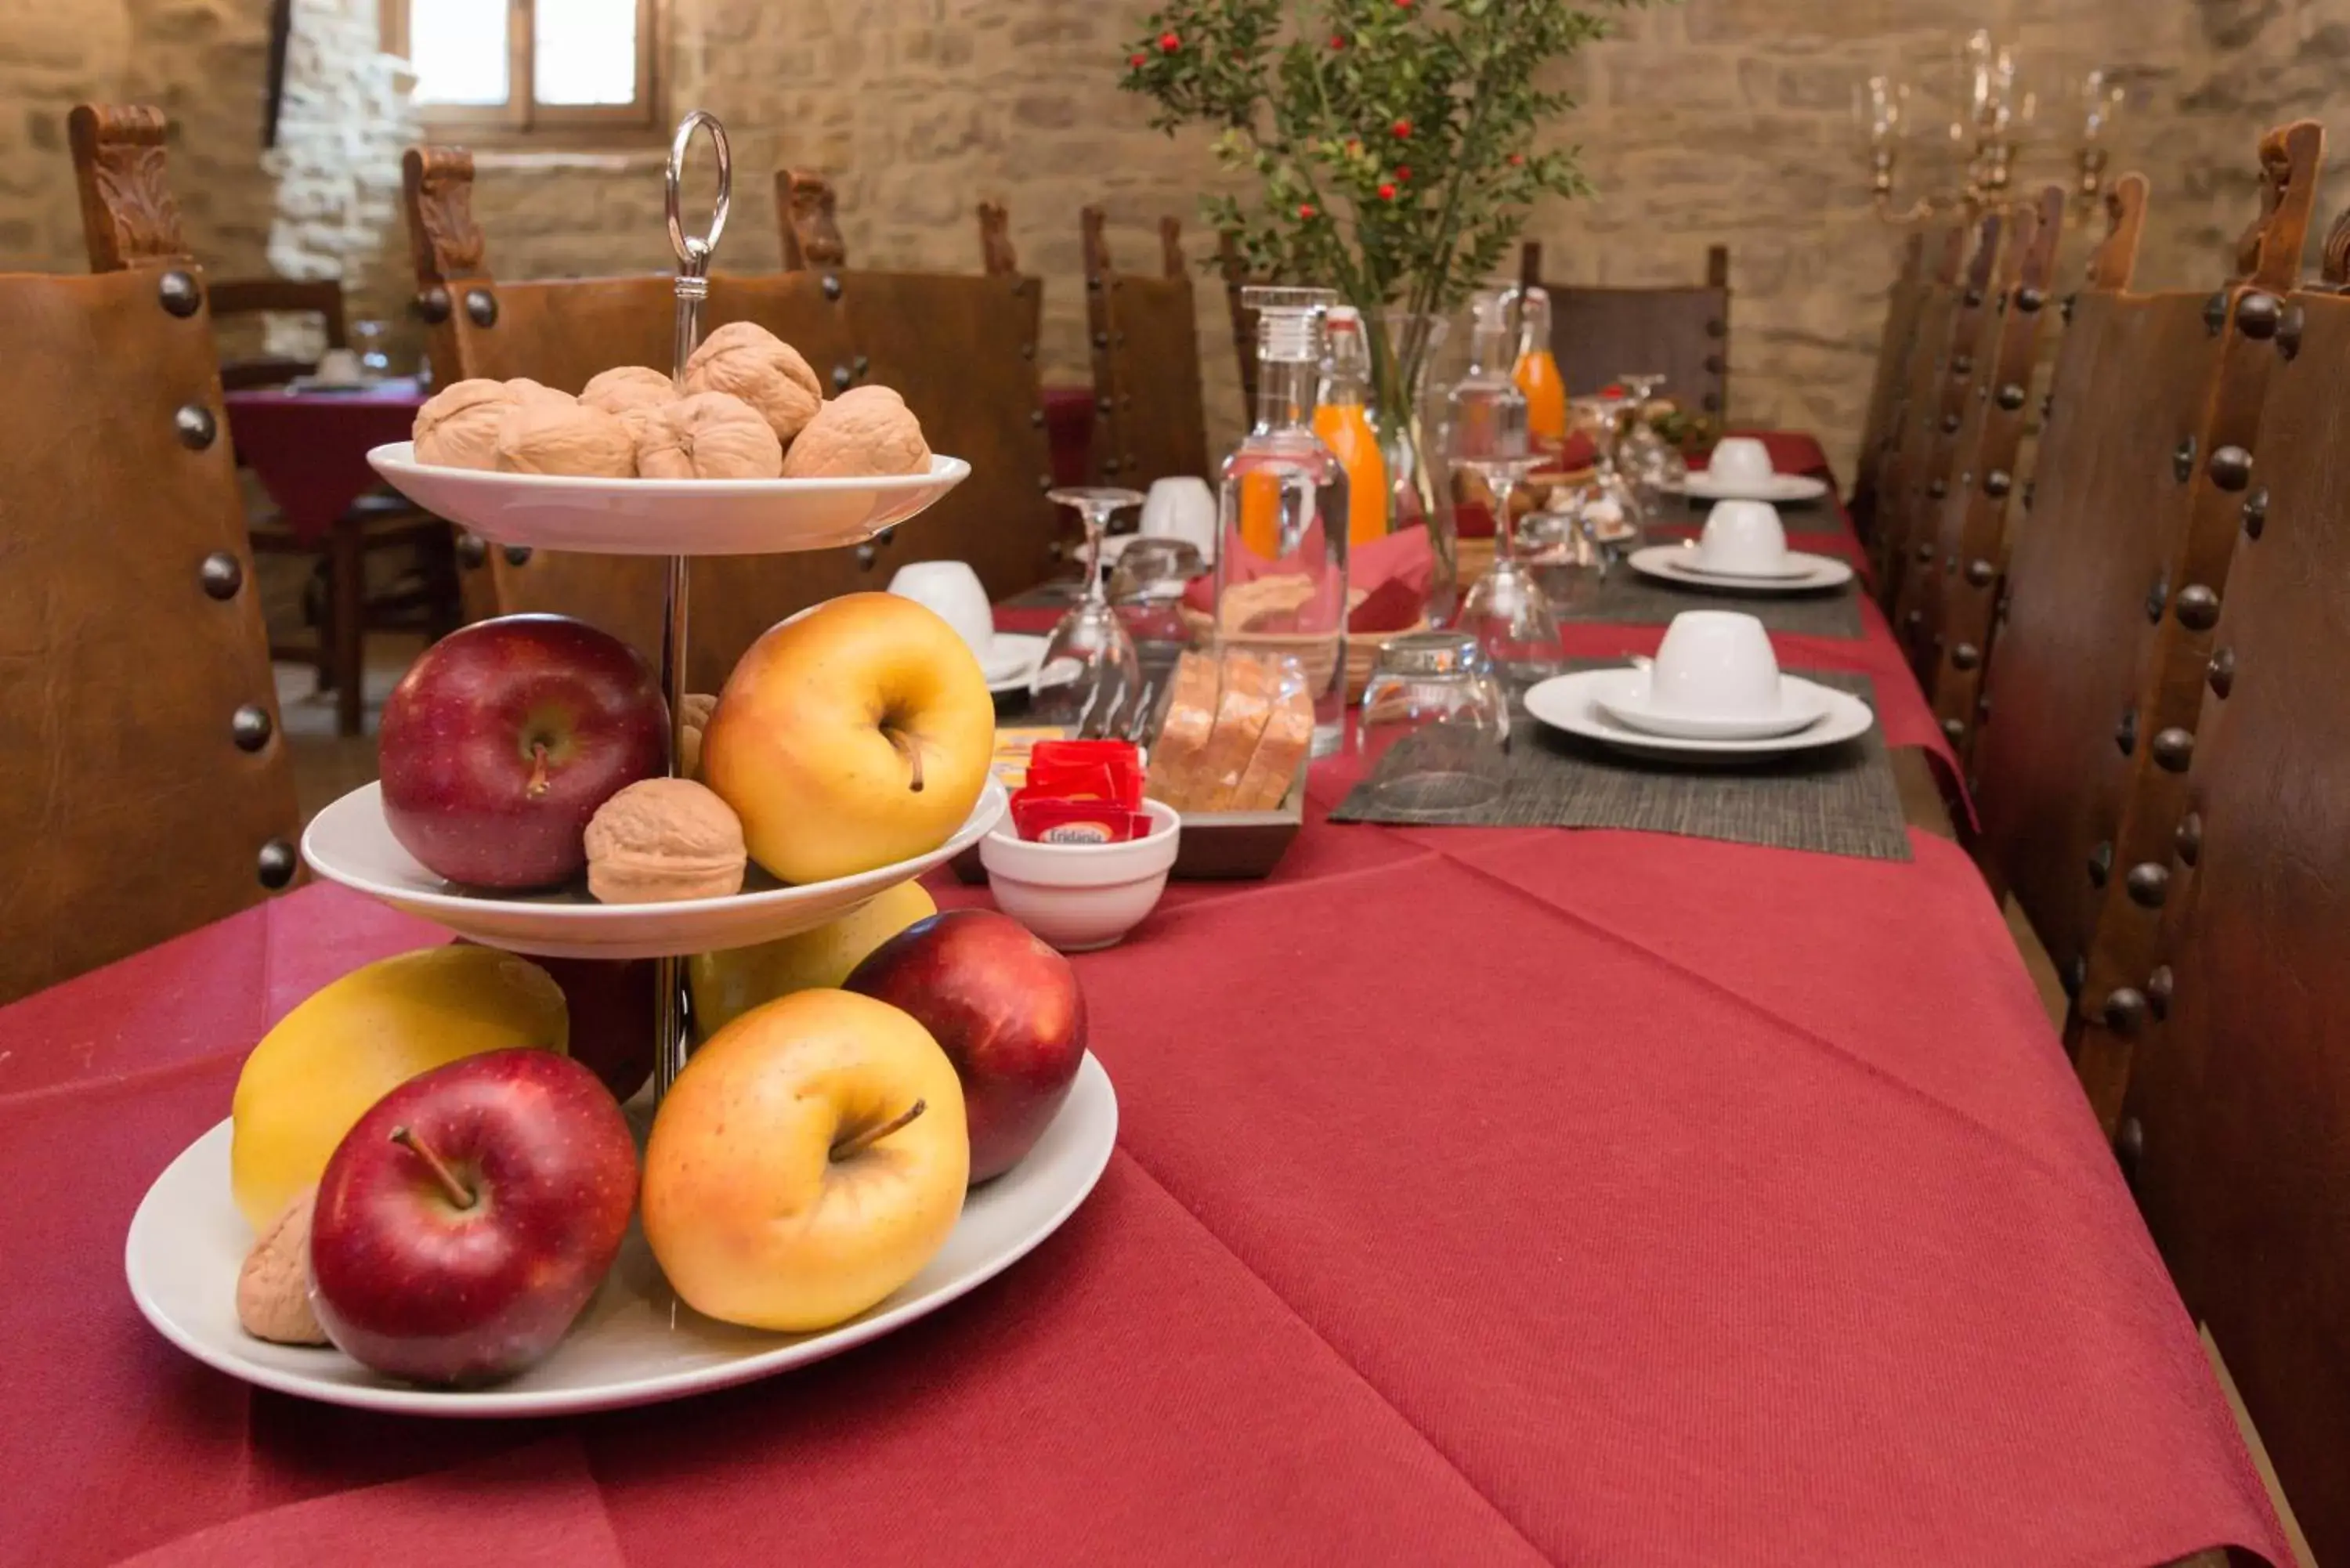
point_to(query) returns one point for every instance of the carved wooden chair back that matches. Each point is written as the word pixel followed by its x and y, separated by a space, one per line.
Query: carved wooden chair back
pixel 1993 413
pixel 1234 266
pixel 2099 657
pixel 1681 332
pixel 562 333
pixel 1980 522
pixel 1902 483
pixel 2235 1123
pixel 236 296
pixel 1903 302
pixel 1149 421
pixel 144 786
pixel 961 347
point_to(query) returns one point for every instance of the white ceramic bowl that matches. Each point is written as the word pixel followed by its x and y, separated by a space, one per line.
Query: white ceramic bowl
pixel 1082 896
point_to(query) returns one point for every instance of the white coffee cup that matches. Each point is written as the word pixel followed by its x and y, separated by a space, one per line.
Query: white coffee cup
pixel 1743 539
pixel 1183 508
pixel 1714 664
pixel 339 368
pixel 1740 460
pixel 954 590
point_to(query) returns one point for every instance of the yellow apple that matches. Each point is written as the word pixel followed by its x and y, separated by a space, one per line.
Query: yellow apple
pixel 728 984
pixel 808 1161
pixel 357 1039
pixel 855 736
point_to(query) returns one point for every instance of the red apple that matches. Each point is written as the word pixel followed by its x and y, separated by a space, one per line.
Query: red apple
pixel 1005 1007
pixel 466 1219
pixel 610 1005
pixel 502 739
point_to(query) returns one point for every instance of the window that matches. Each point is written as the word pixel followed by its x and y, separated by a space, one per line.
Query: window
pixel 528 65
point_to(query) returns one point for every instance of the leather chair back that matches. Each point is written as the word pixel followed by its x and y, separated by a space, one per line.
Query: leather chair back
pixel 2096 669
pixel 234 297
pixel 1681 332
pixel 961 348
pixel 1960 539
pixel 1902 304
pixel 1149 421
pixel 144 784
pixel 1980 528
pixel 1918 474
pixel 562 333
pixel 2236 1121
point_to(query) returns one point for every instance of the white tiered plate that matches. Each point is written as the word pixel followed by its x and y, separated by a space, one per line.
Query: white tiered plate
pixel 666 516
pixel 351 843
pixel 636 1344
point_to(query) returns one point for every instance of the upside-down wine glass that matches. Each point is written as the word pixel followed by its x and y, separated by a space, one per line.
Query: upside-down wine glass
pixel 1089 668
pixel 1506 610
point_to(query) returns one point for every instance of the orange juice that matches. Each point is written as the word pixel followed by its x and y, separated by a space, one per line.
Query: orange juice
pixel 1537 377
pixel 1346 431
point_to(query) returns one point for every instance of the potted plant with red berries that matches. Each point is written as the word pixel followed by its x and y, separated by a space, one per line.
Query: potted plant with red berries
pixel 1389 150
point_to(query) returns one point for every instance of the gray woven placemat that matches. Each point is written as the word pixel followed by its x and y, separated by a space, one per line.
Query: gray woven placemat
pixel 1840 800
pixel 1624 597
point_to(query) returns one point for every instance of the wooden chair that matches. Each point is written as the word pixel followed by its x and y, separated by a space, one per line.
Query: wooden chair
pixel 144 786
pixel 1150 422
pixel 1970 524
pixel 1599 336
pixel 1916 478
pixel 1233 269
pixel 319 298
pixel 2113 592
pixel 1978 526
pixel 961 348
pixel 340 606
pixel 1902 304
pixel 2235 1126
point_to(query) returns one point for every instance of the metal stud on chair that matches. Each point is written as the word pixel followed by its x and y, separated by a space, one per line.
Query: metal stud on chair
pixel 2219 672
pixel 2101 864
pixel 2182 459
pixel 2231 467
pixel 2187 839
pixel 250 727
pixel 2158 988
pixel 2174 748
pixel 2256 512
pixel 2198 608
pixel 2148 883
pixel 480 307
pixel 2258 313
pixel 275 864
pixel 221 575
pixel 195 425
pixel 181 293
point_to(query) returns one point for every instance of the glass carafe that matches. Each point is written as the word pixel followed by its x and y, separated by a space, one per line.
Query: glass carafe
pixel 1280 557
pixel 1342 418
pixel 1537 371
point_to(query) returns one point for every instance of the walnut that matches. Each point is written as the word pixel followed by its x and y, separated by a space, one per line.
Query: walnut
pixel 273 1289
pixel 539 435
pixel 664 839
pixel 865 430
pixel 458 425
pixel 616 392
pixel 746 359
pixel 698 706
pixel 710 435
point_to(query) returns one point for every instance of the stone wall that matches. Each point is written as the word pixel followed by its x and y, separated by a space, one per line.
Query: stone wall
pixel 1712 121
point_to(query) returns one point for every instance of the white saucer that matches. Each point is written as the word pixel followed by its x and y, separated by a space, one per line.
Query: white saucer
pixel 1801 705
pixel 636 1344
pixel 1704 486
pixel 1011 660
pixel 351 843
pixel 1570 703
pixel 666 516
pixel 1675 563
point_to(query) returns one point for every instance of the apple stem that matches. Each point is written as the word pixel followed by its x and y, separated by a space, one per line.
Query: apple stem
pixel 459 1193
pixel 862 1141
pixel 913 751
pixel 537 785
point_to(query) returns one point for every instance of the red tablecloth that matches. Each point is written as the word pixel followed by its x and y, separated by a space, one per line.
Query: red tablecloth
pixel 1483 1196
pixel 309 450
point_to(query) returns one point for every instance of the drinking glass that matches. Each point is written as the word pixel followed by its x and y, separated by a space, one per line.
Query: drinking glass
pixel 369 338
pixel 1089 668
pixel 1646 460
pixel 1147 588
pixel 1505 611
pixel 1435 726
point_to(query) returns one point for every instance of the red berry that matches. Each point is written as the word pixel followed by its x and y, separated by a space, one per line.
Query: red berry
pixel 1612 389
pixel 1403 171
pixel 1516 159
pixel 1137 60
pixel 1169 42
pixel 1305 211
pixel 1403 4
pixel 1337 42
pixel 1402 128
pixel 1387 192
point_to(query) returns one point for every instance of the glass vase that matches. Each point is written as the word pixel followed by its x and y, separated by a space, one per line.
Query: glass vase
pixel 1405 346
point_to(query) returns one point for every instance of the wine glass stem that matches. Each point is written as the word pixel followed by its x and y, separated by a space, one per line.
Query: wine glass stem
pixel 1096 523
pixel 1504 528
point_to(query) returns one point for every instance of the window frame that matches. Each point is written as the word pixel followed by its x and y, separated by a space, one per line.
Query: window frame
pixel 522 117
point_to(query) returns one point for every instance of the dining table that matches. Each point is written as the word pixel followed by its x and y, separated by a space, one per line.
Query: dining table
pixel 308 445
pixel 1481 1195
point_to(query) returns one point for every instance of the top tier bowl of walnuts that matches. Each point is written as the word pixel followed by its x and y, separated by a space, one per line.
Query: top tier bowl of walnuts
pixel 751 408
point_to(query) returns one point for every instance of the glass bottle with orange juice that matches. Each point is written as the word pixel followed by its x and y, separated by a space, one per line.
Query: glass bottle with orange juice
pixel 1536 373
pixel 1342 418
